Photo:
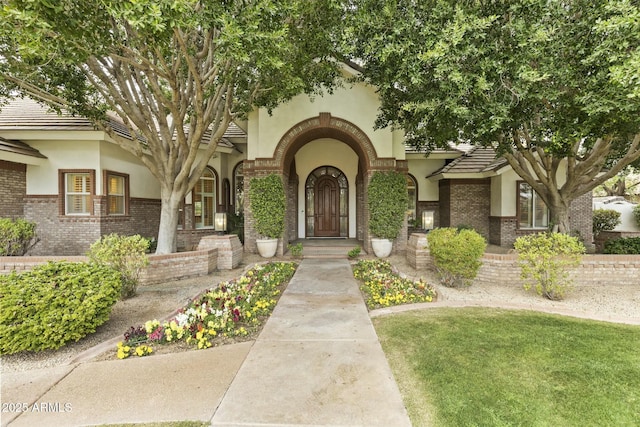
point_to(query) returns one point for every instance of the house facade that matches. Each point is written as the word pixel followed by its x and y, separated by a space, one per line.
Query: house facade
pixel 77 185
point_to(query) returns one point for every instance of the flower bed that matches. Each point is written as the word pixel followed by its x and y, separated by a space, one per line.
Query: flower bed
pixel 382 287
pixel 233 309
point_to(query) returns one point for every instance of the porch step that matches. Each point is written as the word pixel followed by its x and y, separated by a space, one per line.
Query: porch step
pixel 328 248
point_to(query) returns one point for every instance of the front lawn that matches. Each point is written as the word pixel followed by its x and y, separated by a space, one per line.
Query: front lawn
pixel 489 367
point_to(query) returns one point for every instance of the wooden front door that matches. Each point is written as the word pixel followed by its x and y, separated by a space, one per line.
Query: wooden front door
pixel 327 203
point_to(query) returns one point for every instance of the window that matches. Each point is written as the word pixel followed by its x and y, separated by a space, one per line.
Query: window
pixel 117 189
pixel 238 178
pixel 412 190
pixel 204 200
pixel 77 188
pixel 532 211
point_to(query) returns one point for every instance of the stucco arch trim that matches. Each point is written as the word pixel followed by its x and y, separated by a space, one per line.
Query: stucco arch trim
pixel 328 126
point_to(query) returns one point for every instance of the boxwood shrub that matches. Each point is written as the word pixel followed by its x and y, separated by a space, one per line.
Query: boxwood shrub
pixel 53 304
pixel 605 220
pixel 625 245
pixel 16 236
pixel 545 260
pixel 457 254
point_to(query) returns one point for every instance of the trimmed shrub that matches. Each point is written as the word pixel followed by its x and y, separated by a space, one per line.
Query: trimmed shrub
pixel 125 254
pixel 456 255
pixel 16 236
pixel 623 246
pixel 544 259
pixel 268 204
pixel 388 201
pixel 605 220
pixel 53 304
pixel 636 214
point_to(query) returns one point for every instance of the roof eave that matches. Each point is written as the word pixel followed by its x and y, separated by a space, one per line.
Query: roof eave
pixel 463 175
pixel 24 159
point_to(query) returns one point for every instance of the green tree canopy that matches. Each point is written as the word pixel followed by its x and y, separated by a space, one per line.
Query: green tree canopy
pixel 554 86
pixel 173 71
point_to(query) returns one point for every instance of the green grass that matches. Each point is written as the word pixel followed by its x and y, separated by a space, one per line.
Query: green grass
pixel 487 367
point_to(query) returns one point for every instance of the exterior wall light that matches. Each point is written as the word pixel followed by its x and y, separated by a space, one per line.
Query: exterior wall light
pixel 427 219
pixel 220 221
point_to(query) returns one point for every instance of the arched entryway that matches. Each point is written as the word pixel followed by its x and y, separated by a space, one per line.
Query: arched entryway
pixel 327 203
pixel 341 140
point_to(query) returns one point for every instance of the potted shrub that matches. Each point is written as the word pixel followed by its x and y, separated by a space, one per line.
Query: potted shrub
pixel 388 201
pixel 268 205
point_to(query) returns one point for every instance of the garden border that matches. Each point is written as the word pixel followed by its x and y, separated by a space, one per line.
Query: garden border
pixel 595 269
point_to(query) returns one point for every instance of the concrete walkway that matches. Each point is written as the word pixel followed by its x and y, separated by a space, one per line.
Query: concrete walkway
pixel 317 362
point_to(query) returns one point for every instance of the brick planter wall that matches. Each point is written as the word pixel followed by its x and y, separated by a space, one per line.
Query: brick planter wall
pixel 229 248
pixel 180 265
pixel 417 254
pixel 504 269
pixel 161 267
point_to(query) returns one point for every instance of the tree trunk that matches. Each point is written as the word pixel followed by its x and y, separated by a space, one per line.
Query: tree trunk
pixel 619 188
pixel 559 217
pixel 168 230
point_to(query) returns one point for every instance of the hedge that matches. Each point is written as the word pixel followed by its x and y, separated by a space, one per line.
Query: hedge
pixel 623 246
pixel 53 304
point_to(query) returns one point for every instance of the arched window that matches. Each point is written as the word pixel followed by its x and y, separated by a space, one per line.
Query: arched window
pixel 204 200
pixel 412 190
pixel 238 189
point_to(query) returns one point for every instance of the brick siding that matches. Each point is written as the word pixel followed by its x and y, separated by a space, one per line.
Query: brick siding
pixel 423 206
pixel 466 202
pixel 13 188
pixel 72 235
pixel 581 219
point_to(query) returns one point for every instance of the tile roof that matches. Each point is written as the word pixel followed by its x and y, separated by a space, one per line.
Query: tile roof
pixel 26 114
pixel 476 161
pixel 19 147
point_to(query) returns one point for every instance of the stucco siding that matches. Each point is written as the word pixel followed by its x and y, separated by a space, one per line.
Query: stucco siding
pixel 62 154
pixel 357 104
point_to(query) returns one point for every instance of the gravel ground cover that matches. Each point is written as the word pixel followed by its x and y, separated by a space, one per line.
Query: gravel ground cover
pixel 609 302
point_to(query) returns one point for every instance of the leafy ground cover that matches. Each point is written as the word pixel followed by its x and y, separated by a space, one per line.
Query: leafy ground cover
pixel 382 287
pixel 478 366
pixel 233 310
